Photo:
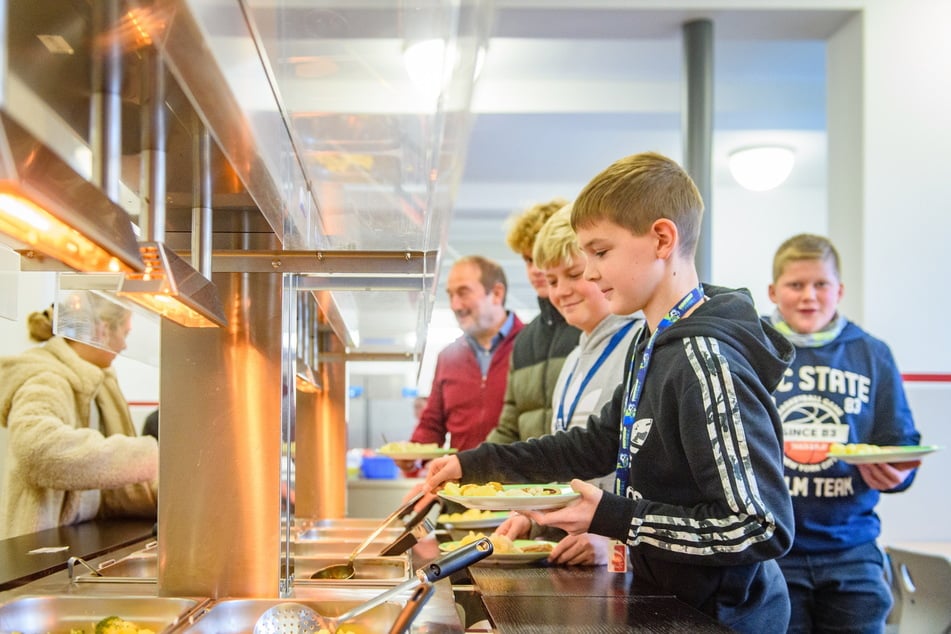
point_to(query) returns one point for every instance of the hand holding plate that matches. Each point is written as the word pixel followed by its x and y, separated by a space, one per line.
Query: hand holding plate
pixel 575 518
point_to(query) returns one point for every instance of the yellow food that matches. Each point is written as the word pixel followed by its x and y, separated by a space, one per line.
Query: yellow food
pixel 409 447
pixel 839 449
pixel 494 489
pixel 502 545
pixel 467 515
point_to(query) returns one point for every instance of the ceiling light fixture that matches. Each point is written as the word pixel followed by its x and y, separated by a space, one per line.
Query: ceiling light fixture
pixel 430 65
pixel 761 168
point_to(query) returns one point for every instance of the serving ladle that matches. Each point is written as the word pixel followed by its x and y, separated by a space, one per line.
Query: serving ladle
pixel 346 570
pixel 297 618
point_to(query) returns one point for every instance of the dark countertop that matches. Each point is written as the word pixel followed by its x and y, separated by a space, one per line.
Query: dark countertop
pixel 538 599
pixel 87 540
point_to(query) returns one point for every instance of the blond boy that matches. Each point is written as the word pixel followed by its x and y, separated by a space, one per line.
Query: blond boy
pixel 700 497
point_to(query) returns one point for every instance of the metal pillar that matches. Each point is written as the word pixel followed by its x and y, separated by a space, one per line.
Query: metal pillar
pixel 698 126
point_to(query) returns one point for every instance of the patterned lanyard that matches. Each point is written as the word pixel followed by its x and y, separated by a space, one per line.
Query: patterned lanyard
pixel 622 473
pixel 562 420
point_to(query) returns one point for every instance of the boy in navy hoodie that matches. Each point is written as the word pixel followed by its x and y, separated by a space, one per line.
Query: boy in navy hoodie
pixel 843 387
pixel 699 497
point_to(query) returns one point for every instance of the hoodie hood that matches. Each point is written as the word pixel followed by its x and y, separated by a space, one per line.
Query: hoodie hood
pixel 56 357
pixel 730 316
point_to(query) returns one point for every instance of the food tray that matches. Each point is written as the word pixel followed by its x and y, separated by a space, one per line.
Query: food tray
pixel 368 571
pixel 60 614
pixel 238 616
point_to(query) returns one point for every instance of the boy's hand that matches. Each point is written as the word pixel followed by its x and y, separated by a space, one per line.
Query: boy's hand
pixel 515 526
pixel 586 549
pixel 576 517
pixel 884 476
pixel 442 470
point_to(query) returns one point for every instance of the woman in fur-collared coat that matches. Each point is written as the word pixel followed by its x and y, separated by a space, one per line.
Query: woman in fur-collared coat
pixel 72 452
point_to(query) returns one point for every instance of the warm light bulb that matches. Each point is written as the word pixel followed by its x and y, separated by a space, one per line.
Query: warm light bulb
pixel 761 168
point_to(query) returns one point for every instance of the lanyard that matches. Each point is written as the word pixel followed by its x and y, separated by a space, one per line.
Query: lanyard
pixel 562 420
pixel 622 473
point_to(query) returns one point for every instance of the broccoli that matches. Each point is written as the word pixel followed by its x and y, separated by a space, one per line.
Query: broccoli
pixel 115 625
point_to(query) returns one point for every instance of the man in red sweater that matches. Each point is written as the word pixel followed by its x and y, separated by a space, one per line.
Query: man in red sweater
pixel 469 382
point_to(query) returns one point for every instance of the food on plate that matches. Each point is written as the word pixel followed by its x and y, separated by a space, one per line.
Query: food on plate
pixel 467 516
pixel 840 449
pixel 404 446
pixel 495 489
pixel 117 625
pixel 502 545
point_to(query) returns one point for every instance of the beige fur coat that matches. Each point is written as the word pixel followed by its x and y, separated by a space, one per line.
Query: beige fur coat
pixel 57 470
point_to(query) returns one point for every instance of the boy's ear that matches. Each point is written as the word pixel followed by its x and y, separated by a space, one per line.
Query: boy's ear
pixel 665 233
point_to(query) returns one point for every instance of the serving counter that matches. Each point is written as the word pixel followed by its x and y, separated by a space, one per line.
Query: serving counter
pixel 503 598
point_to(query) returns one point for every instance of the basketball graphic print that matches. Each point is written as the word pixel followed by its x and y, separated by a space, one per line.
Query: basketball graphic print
pixel 810 423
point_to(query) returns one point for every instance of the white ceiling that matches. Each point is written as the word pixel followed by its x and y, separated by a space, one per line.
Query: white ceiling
pixel 569 86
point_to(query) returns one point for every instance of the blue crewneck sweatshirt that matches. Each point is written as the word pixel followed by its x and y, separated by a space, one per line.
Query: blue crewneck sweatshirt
pixel 847 390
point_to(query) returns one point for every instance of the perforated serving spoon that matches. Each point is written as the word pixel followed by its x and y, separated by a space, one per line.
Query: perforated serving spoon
pixel 296 618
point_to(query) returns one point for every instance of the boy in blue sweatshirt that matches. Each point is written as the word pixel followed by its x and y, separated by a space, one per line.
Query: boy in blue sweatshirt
pixel 843 387
pixel 699 496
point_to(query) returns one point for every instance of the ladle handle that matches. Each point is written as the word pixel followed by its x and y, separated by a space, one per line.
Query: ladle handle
pixel 440 568
pixel 404 620
pixel 456 560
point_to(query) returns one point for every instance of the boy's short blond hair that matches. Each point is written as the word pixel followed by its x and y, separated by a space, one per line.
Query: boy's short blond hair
pixel 805 246
pixel 557 242
pixel 523 226
pixel 638 190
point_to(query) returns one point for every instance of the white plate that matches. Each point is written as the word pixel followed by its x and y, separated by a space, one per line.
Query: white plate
pixel 506 558
pixel 890 454
pixel 517 503
pixel 478 522
pixel 420 454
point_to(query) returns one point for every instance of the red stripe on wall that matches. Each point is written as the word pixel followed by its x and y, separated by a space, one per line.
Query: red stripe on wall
pixel 926 378
pixel 143 403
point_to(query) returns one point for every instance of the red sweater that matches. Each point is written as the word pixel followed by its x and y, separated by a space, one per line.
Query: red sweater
pixel 461 401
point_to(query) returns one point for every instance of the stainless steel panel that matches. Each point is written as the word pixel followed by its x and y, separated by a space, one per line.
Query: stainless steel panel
pixel 348 532
pixel 219 464
pixel 337 547
pixel 368 571
pixel 55 614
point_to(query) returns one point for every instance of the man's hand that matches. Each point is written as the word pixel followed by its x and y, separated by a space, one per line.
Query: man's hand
pixel 576 517
pixel 885 476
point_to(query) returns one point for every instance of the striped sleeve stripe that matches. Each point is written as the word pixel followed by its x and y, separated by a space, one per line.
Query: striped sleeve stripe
pixel 741 529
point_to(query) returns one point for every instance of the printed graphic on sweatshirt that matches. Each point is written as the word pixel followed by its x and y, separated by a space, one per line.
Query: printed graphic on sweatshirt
pixel 810 423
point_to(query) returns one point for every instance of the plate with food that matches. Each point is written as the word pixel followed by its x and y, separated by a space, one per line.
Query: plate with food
pixel 472 518
pixel 495 496
pixel 413 450
pixel 505 550
pixel 861 453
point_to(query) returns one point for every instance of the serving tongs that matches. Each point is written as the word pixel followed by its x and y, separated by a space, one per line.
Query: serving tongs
pixel 400 545
pixel 297 618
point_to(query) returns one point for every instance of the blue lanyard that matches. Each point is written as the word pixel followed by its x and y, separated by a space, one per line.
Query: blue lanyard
pixel 562 420
pixel 622 473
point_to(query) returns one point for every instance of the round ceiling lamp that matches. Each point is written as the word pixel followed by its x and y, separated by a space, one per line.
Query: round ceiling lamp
pixel 761 168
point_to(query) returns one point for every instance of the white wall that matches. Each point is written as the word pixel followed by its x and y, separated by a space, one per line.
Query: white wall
pixel 907 218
